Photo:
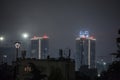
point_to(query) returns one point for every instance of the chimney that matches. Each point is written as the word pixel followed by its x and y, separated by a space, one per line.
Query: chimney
pixel 69 53
pixel 60 53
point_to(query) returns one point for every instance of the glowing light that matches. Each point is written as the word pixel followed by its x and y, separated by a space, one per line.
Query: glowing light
pixel 17 44
pixel 104 63
pixel 1 38
pixel 5 56
pixel 91 37
pixel 34 37
pixel 83 37
pixel 45 36
pixel 98 75
pixel 84 34
pixel 25 35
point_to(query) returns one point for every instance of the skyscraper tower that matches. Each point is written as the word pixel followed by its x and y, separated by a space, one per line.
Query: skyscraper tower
pixel 85 50
pixel 40 47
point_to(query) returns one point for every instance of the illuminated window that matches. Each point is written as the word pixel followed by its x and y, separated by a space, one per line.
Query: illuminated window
pixel 27 69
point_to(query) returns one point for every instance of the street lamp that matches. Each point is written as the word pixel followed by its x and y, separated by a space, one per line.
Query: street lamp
pixel 104 63
pixel 17 46
pixel 25 35
pixel 5 58
pixel 1 38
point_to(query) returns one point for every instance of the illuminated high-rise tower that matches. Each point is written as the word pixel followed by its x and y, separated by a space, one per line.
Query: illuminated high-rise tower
pixel 40 47
pixel 85 50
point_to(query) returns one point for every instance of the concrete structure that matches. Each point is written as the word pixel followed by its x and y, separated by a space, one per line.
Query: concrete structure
pixel 40 47
pixel 50 68
pixel 85 51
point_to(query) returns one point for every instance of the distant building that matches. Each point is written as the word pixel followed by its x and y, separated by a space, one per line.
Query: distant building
pixel 85 51
pixel 40 47
pixel 50 69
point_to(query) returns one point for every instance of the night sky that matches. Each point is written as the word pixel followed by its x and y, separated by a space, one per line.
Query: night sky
pixel 62 21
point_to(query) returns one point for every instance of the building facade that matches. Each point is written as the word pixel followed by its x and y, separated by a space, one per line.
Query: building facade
pixel 48 69
pixel 85 51
pixel 40 47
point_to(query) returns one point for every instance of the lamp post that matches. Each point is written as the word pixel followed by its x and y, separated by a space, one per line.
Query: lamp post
pixel 1 39
pixel 5 58
pixel 17 46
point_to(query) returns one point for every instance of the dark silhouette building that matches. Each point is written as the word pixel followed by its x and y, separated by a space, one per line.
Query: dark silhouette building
pixel 50 69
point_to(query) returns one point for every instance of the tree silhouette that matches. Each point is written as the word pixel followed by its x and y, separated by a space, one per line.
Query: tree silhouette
pixel 117 54
pixel 6 72
pixel 113 71
pixel 56 74
pixel 36 73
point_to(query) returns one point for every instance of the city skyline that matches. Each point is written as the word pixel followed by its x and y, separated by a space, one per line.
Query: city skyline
pixel 62 21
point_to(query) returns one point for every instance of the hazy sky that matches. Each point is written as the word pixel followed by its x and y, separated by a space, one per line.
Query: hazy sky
pixel 62 20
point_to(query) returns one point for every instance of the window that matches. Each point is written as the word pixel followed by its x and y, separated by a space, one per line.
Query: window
pixel 27 69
